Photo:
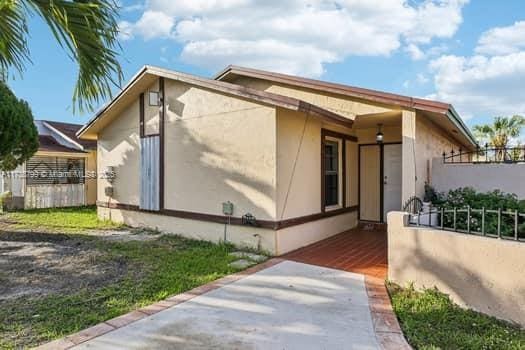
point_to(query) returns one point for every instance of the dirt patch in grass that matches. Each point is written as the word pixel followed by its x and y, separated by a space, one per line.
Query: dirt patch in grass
pixel 37 264
pixel 63 270
pixel 53 284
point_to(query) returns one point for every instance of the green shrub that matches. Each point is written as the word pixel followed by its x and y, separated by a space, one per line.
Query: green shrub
pixel 462 198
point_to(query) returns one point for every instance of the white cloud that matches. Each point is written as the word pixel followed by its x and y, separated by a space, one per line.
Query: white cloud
pixel 421 78
pixel 436 19
pixel 295 36
pixel 125 30
pixel 415 52
pixel 481 85
pixel 152 24
pixel 502 40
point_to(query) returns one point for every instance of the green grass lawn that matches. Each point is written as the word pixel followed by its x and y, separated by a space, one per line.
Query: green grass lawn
pixel 151 270
pixel 430 320
pixel 68 220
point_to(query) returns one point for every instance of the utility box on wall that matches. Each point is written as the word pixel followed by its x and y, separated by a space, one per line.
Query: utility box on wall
pixel 227 208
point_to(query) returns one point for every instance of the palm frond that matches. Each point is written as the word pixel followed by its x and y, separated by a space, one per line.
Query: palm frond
pixel 13 43
pixel 86 29
pixel 500 132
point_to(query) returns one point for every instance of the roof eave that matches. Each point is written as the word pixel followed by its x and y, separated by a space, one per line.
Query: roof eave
pixel 458 122
pixel 105 107
pixel 227 88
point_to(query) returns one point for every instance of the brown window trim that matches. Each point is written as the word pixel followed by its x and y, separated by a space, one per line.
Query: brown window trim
pixel 343 137
pixel 267 224
pixel 162 142
pixel 141 116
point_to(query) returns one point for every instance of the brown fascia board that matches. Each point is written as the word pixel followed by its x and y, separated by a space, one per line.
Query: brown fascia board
pixel 228 88
pixel 357 92
pixel 445 109
pixel 253 94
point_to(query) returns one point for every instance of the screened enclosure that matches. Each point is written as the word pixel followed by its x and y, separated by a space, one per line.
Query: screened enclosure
pixel 54 182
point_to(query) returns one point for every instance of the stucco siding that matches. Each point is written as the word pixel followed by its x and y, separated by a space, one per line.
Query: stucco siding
pixel 481 273
pixel 118 146
pixel 245 236
pixel 482 177
pixel 295 237
pixel 339 104
pixel 299 164
pixel 352 174
pixel 91 182
pixel 219 148
pixel 431 142
pixel 151 112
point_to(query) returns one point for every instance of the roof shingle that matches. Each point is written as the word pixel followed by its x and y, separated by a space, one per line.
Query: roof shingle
pixel 70 130
pixel 48 143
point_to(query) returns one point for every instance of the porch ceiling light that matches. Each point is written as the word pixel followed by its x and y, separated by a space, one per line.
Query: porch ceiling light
pixel 379 135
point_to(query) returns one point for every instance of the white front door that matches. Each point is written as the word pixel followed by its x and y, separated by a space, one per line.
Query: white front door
pixel 392 177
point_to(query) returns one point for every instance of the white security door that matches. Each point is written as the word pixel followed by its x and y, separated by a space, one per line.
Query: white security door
pixel 392 177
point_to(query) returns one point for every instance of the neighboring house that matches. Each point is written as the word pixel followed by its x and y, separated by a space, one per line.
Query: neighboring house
pixel 297 158
pixel 61 173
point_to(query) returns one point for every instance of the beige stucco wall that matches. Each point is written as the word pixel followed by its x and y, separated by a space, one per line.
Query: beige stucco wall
pixel 481 273
pixel 352 173
pixel 299 164
pixel 299 180
pixel 431 142
pixel 336 103
pixel 91 183
pixel 294 237
pixel 421 139
pixel 482 177
pixel 151 113
pixel 219 148
pixel 245 236
pixel 118 145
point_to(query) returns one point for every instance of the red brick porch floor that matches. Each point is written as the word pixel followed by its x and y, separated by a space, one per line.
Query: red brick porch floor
pixel 358 250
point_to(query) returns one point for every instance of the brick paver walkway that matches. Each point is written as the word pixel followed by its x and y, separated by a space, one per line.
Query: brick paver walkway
pixel 357 250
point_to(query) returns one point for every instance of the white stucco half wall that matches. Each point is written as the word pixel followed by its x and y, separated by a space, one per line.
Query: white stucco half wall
pixel 509 178
pixel 481 273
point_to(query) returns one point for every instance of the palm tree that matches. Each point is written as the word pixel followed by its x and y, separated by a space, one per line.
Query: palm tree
pixel 86 29
pixel 500 132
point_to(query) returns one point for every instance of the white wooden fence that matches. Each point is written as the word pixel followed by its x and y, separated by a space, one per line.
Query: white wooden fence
pixel 51 196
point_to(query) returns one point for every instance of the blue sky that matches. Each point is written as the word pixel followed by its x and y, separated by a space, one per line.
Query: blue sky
pixel 469 53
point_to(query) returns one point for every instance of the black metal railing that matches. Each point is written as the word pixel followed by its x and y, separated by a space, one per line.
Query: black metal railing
pixel 486 154
pixel 413 205
pixel 503 224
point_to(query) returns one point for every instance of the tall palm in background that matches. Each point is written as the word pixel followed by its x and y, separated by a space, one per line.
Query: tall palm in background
pixel 86 29
pixel 500 132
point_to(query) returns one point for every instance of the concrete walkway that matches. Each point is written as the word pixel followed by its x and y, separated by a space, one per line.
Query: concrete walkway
pixel 290 305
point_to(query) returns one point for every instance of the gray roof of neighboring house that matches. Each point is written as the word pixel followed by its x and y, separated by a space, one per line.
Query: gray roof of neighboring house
pixel 70 130
pixel 48 143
